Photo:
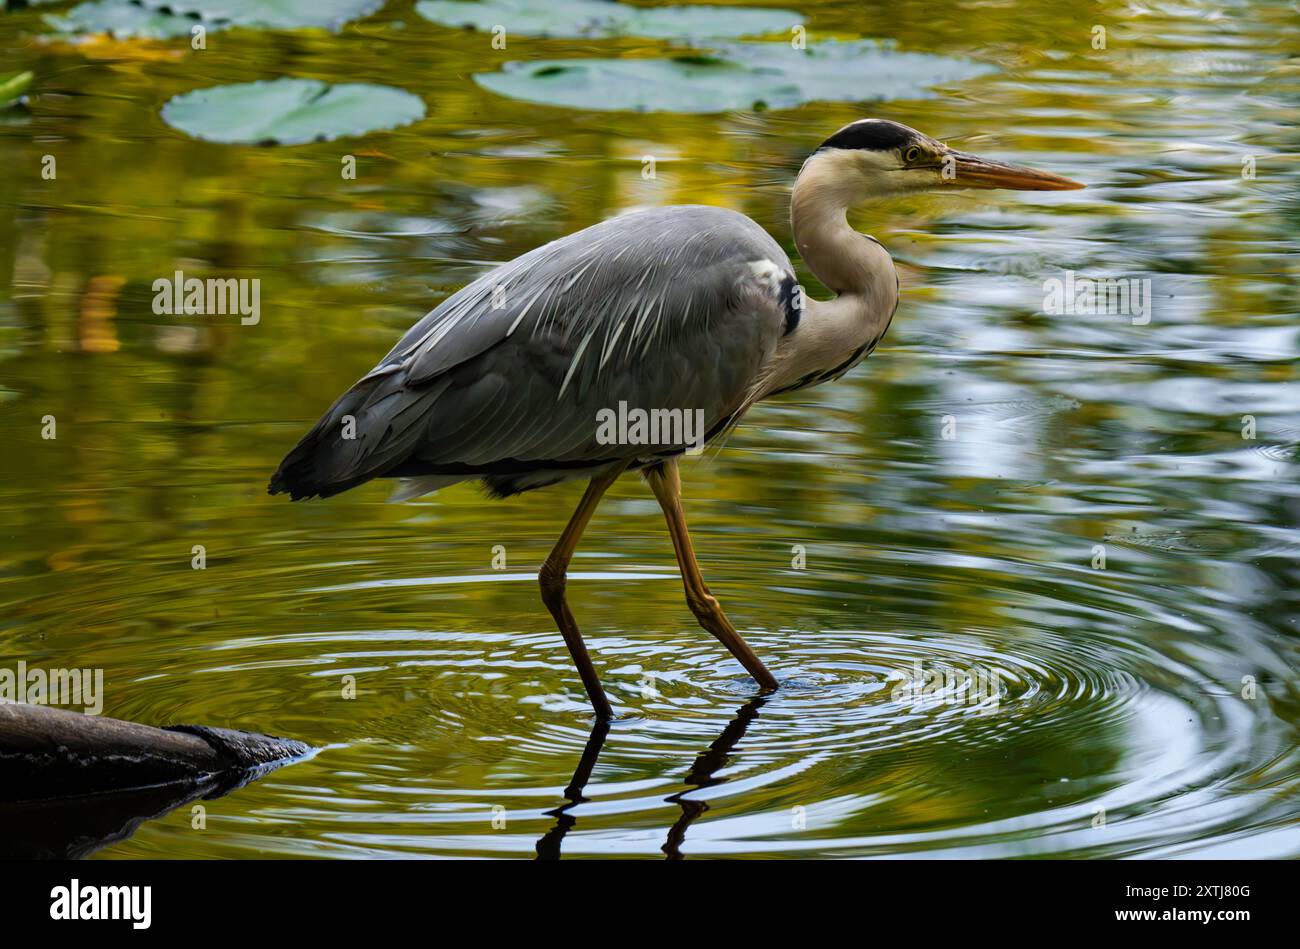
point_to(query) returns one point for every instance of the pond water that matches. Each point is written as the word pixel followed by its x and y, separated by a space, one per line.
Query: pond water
pixel 1086 523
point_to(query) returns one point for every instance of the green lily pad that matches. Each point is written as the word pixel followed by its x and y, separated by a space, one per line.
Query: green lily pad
pixel 290 111
pixel 12 88
pixel 737 76
pixel 123 20
pixel 274 14
pixel 165 19
pixel 582 18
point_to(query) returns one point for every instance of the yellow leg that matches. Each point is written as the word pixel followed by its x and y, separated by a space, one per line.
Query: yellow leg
pixel 665 481
pixel 553 578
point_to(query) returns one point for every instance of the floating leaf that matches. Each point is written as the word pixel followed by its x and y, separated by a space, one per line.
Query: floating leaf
pixel 164 19
pixel 12 87
pixel 578 18
pixel 123 19
pixel 274 14
pixel 736 76
pixel 631 85
pixel 290 111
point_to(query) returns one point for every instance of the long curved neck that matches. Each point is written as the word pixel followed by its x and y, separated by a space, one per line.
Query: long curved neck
pixel 854 266
pixel 844 260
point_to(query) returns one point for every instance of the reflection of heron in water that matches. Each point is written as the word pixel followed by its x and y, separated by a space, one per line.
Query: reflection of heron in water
pixel 701 775
pixel 691 310
pixel 548 848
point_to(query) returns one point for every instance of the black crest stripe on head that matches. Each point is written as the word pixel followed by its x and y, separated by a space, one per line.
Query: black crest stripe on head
pixel 873 134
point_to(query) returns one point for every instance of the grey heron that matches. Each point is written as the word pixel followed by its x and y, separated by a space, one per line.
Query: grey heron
pixel 694 310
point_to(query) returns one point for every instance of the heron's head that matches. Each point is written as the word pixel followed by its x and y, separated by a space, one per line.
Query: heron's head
pixel 876 157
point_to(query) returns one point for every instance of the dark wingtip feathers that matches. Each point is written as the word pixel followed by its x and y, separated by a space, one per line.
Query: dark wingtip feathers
pixel 293 483
pixel 303 473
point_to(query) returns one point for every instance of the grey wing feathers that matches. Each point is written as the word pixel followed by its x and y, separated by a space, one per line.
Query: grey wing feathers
pixel 668 308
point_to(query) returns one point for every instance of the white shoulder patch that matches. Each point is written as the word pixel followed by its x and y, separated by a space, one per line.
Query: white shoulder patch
pixel 768 273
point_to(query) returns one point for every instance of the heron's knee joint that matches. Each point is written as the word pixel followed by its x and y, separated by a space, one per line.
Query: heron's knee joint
pixel 551 578
pixel 703 604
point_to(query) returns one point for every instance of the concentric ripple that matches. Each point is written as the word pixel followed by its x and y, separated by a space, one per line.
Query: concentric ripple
pixel 1069 733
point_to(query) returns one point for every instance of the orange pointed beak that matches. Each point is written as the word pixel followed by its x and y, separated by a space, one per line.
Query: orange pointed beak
pixel 971 171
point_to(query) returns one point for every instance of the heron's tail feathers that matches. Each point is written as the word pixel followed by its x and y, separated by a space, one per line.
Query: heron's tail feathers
pixel 365 434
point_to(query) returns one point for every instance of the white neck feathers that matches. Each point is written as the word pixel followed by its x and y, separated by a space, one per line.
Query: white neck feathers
pixel 833 334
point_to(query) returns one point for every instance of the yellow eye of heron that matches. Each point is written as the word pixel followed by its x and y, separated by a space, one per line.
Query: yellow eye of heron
pixel 912 154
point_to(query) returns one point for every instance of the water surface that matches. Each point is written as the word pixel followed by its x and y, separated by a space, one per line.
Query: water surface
pixel 1145 709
